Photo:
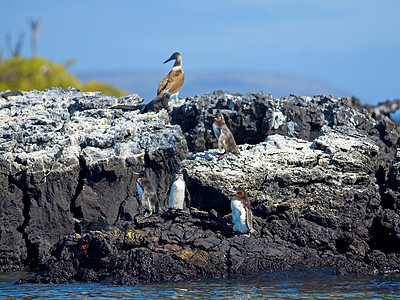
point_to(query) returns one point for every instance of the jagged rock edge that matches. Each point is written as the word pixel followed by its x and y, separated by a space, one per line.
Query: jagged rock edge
pixel 32 250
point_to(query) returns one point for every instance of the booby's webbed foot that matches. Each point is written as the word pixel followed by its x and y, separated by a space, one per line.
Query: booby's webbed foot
pixel 148 213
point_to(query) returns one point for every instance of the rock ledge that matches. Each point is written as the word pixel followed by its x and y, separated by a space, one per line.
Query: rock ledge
pixel 322 175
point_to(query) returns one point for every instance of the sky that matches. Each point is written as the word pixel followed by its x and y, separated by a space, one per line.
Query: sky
pixel 350 45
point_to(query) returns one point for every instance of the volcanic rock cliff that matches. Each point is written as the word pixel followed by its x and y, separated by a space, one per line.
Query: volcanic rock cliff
pixel 322 176
pixel 64 154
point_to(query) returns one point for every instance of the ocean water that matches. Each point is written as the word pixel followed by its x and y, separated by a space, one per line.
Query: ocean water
pixel 277 285
pixel 198 83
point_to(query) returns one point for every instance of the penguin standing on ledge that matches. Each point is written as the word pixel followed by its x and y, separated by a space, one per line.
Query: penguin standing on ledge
pixel 173 82
pixel 242 217
pixel 87 226
pixel 178 192
pixel 147 193
pixel 224 135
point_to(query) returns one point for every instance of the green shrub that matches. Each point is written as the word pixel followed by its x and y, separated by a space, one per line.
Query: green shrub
pixel 106 89
pixel 36 73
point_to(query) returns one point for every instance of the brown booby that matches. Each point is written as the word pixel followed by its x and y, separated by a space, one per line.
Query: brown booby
pixel 173 82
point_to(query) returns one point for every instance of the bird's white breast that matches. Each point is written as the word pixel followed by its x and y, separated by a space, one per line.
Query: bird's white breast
pixel 216 131
pixel 139 189
pixel 176 197
pixel 239 216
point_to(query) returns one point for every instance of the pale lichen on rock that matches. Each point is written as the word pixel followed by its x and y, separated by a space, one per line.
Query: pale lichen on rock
pixel 66 151
pixel 322 175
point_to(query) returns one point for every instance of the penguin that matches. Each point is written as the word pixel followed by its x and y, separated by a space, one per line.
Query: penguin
pixel 224 136
pixel 87 226
pixel 178 192
pixel 147 193
pixel 242 217
pixel 173 82
pixel 155 105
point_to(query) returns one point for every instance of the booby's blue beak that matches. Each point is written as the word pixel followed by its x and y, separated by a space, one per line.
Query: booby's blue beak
pixel 173 56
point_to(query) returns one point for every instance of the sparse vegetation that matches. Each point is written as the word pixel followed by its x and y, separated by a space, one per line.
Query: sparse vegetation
pixel 25 74
pixel 36 73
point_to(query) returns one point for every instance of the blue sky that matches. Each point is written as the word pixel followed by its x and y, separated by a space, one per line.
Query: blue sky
pixel 351 45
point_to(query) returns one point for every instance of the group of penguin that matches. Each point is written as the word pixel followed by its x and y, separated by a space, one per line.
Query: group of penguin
pixel 178 194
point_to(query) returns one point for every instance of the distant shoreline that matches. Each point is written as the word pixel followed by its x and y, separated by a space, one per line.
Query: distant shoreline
pixel 145 83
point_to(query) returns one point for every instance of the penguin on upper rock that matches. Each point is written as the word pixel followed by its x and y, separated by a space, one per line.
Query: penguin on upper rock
pixel 224 135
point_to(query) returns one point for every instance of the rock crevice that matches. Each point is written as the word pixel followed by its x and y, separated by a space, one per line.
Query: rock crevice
pixel 32 252
pixel 321 174
pixel 66 152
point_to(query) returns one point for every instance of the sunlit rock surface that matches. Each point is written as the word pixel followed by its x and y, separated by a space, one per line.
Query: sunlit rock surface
pixel 64 153
pixel 322 175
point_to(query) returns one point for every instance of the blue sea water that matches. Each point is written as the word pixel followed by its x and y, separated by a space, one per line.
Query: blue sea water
pixel 277 285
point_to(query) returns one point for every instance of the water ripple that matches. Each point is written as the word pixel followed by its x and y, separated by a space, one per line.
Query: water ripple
pixel 279 285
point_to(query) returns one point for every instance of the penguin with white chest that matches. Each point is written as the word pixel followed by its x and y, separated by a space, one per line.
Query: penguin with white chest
pixel 242 217
pixel 147 193
pixel 178 192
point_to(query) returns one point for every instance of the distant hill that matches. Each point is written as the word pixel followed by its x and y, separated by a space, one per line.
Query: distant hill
pixel 196 83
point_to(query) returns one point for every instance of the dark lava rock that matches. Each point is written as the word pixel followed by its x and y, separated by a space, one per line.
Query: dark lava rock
pixel 322 174
pixel 167 251
pixel 253 117
pixel 64 154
